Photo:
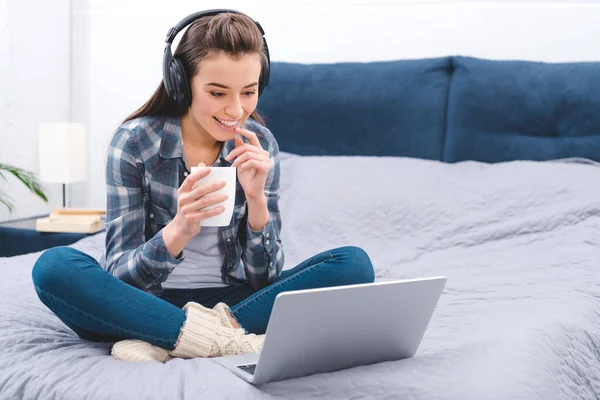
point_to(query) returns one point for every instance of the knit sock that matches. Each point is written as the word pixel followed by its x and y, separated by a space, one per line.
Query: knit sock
pixel 203 335
pixel 132 350
pixel 225 314
pixel 221 309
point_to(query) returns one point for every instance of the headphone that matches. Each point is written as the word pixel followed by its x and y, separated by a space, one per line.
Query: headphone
pixel 176 82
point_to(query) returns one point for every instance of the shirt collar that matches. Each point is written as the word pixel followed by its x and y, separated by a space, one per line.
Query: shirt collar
pixel 171 143
pixel 228 146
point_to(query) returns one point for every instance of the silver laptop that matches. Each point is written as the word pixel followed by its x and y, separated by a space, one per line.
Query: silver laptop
pixel 330 329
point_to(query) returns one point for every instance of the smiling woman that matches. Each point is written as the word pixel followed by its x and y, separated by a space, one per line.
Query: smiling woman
pixel 232 35
pixel 224 95
pixel 174 287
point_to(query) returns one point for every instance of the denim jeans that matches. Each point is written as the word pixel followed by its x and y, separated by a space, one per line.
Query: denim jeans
pixel 99 307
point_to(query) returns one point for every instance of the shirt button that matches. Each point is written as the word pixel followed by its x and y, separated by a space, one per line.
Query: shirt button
pixel 185 173
pixel 267 242
pixel 271 264
pixel 228 240
pixel 268 233
pixel 151 215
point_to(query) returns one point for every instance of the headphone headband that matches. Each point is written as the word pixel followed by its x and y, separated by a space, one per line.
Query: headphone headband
pixel 174 77
pixel 193 17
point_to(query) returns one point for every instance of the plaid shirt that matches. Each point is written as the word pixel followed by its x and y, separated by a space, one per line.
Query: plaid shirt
pixel 145 167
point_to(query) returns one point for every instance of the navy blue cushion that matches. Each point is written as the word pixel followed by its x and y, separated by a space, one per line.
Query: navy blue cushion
pixel 509 110
pixel 393 108
pixel 15 241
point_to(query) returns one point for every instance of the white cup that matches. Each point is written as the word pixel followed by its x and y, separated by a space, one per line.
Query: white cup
pixel 227 174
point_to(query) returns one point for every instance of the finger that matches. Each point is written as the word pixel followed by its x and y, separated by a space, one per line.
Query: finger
pixel 203 190
pixel 204 202
pixel 243 149
pixel 247 156
pixel 249 135
pixel 204 214
pixel 191 179
pixel 260 166
pixel 197 193
pixel 237 143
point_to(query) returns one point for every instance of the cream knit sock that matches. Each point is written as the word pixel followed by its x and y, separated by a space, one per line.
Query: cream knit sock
pixel 221 309
pixel 137 351
pixel 224 312
pixel 203 335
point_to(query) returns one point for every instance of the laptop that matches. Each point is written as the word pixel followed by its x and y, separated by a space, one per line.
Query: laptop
pixel 330 329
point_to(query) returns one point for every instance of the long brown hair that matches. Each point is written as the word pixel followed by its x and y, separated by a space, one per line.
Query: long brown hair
pixel 230 33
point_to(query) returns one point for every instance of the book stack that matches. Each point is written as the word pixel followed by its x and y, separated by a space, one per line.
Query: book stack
pixel 72 220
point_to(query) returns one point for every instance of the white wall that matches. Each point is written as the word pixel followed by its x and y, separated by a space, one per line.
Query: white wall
pixel 117 62
pixel 117 47
pixel 34 87
pixel 4 74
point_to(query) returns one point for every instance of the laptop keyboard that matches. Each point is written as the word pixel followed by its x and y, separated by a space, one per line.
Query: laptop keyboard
pixel 249 368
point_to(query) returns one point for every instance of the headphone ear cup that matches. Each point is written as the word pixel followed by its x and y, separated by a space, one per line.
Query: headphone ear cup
pixel 263 79
pixel 179 84
pixel 265 73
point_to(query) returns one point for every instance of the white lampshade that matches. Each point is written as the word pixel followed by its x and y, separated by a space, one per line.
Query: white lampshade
pixel 62 152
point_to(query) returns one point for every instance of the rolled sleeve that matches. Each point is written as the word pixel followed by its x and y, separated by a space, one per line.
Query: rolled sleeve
pixel 263 255
pixel 129 256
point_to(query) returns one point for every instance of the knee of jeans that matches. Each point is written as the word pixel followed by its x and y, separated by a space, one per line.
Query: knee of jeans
pixel 51 266
pixel 358 265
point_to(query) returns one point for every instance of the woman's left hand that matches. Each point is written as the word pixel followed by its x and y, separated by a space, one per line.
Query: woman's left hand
pixel 252 164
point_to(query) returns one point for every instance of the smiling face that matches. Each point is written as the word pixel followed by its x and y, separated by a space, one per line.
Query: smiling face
pixel 224 94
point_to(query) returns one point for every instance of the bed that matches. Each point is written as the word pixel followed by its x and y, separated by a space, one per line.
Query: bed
pixel 486 172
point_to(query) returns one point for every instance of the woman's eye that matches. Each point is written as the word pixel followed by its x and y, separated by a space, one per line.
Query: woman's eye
pixel 250 93
pixel 217 94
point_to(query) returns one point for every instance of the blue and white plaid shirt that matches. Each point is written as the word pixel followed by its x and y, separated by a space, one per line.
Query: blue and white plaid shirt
pixel 145 167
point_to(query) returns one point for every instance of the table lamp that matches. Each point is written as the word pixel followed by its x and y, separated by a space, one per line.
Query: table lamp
pixel 62 160
pixel 62 154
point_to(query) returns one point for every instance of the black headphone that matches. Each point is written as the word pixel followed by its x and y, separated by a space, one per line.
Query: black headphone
pixel 176 82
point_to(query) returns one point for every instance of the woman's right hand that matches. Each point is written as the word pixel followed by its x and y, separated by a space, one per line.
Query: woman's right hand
pixel 192 203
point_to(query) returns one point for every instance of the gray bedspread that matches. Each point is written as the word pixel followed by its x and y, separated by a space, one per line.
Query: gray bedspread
pixel 519 319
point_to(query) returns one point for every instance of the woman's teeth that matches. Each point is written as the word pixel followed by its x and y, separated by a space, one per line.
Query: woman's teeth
pixel 227 123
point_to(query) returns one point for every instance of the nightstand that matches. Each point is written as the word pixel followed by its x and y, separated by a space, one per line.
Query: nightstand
pixel 20 237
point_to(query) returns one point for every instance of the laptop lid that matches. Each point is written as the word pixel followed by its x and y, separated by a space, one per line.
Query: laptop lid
pixel 328 329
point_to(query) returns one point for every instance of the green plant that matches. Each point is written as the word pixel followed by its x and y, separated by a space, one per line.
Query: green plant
pixel 27 178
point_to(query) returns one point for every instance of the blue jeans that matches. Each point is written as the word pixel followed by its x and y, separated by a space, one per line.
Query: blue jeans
pixel 99 307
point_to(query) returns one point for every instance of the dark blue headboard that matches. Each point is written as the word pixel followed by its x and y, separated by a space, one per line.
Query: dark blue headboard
pixel 449 109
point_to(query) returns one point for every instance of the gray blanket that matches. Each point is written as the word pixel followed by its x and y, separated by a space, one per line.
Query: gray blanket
pixel 519 319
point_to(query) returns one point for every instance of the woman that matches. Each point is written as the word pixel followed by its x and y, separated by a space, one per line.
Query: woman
pixel 167 287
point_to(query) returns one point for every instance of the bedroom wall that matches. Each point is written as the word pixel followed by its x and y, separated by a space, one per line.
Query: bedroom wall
pixel 34 87
pixel 116 52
